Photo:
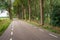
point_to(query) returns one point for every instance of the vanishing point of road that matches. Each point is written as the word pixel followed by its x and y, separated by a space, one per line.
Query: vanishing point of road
pixel 21 30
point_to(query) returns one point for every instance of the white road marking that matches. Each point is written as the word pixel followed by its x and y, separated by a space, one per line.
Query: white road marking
pixel 41 30
pixel 11 32
pixel 12 26
pixel 10 38
pixel 53 35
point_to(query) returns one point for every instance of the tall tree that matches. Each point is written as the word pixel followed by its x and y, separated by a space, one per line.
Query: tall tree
pixel 9 8
pixel 22 11
pixel 23 8
pixel 51 9
pixel 42 12
pixel 29 9
pixel 17 4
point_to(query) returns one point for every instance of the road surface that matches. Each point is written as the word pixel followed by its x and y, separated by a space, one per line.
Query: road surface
pixel 21 30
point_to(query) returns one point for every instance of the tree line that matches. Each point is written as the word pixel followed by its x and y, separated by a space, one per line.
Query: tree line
pixel 42 11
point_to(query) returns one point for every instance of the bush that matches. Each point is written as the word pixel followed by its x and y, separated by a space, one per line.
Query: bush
pixel 55 16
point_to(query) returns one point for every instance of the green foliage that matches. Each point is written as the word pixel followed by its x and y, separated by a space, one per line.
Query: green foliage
pixel 4 23
pixel 55 16
pixel 3 4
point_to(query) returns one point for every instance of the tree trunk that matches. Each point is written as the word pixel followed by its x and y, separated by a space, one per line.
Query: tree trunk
pixel 42 12
pixel 22 11
pixel 18 12
pixel 29 10
pixel 10 14
pixel 9 10
pixel 25 13
pixel 51 8
pixel 35 13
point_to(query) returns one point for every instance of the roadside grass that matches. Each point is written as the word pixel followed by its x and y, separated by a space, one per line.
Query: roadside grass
pixel 50 29
pixel 4 23
pixel 47 27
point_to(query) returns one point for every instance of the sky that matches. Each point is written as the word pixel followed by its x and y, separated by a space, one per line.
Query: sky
pixel 3 14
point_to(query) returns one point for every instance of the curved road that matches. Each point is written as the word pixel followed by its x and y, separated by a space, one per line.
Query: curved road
pixel 21 30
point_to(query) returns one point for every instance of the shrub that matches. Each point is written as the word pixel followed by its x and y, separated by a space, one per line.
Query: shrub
pixel 55 16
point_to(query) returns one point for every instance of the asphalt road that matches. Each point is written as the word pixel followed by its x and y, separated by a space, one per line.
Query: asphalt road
pixel 21 30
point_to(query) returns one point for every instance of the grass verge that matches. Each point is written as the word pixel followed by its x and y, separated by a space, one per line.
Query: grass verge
pixel 4 23
pixel 47 27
